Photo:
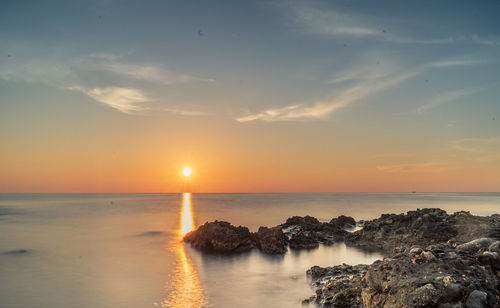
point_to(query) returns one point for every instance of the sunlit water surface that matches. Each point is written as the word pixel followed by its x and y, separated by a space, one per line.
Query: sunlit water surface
pixel 126 250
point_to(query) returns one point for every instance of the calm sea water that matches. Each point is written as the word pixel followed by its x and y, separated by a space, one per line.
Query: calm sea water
pixel 125 250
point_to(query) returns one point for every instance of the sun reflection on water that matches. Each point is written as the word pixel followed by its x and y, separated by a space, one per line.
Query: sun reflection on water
pixel 185 287
pixel 187 223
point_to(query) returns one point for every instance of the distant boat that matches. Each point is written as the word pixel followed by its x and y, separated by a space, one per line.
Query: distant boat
pixel 413 192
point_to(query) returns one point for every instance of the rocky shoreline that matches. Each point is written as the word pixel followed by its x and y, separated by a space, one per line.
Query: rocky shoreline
pixel 433 259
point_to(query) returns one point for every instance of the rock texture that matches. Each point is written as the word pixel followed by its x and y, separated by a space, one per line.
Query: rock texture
pixel 270 240
pixel 308 232
pixel 220 237
pixel 445 275
pixel 420 227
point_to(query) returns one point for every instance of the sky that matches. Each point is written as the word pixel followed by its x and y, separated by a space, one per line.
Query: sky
pixel 254 96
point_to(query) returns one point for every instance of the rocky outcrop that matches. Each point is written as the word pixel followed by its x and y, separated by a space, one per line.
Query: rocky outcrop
pixel 337 286
pixel 270 240
pixel 344 221
pixel 220 237
pixel 308 232
pixel 420 227
pixel 297 232
pixel 444 275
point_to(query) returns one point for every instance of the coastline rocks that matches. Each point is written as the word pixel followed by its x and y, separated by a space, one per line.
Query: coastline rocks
pixel 308 232
pixel 337 286
pixel 270 240
pixel 420 227
pixel 442 275
pixel 220 237
pixel 344 221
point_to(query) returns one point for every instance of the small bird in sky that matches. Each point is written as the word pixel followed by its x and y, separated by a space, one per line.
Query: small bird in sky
pixel 201 33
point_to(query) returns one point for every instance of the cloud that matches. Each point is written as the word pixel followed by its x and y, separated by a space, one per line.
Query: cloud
pixel 476 145
pixel 424 167
pixel 368 81
pixel 444 98
pixel 89 74
pixel 293 113
pixel 333 22
pixel 184 112
pixel 126 100
pixel 456 63
pixel 150 73
pixel 338 100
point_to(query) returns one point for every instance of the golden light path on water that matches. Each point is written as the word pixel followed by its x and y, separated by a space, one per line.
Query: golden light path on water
pixel 185 284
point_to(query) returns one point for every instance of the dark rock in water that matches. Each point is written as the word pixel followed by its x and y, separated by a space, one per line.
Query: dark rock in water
pixel 220 237
pixel 17 252
pixel 338 286
pixel 308 232
pixel 444 275
pixel 302 221
pixel 270 240
pixel 304 240
pixel 152 233
pixel 420 227
pixel 344 221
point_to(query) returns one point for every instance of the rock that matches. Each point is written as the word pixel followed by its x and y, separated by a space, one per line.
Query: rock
pixel 270 240
pixel 414 277
pixel 344 221
pixel 297 220
pixel 338 286
pixel 304 240
pixel 477 299
pixel 220 237
pixel 475 245
pixel 308 232
pixel 420 227
pixel 424 296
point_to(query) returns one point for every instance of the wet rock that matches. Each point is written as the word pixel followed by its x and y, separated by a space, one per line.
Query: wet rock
pixel 220 237
pixel 17 252
pixel 152 233
pixel 304 240
pixel 424 296
pixel 477 299
pixel 302 221
pixel 476 245
pixel 338 286
pixel 344 221
pixel 270 240
pixel 414 277
pixel 420 227
pixel 308 232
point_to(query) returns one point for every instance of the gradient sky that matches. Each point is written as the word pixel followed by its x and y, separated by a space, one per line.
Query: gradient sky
pixel 255 96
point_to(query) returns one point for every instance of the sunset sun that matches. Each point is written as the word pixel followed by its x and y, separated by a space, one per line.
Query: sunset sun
pixel 186 171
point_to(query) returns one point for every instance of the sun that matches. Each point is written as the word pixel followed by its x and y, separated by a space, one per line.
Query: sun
pixel 186 171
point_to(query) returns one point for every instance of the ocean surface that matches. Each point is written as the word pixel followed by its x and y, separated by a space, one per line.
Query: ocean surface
pixel 125 250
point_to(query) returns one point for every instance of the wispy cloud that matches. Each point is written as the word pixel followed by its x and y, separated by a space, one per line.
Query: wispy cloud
pixel 126 100
pixel 456 63
pixel 322 109
pixel 368 81
pixel 476 145
pixel 425 167
pixel 186 112
pixel 444 98
pixel 79 74
pixel 333 22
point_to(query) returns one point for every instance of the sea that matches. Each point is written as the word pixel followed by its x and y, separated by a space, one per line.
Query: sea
pixel 126 250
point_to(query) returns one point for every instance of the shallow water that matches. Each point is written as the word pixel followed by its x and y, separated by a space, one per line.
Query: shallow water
pixel 88 250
